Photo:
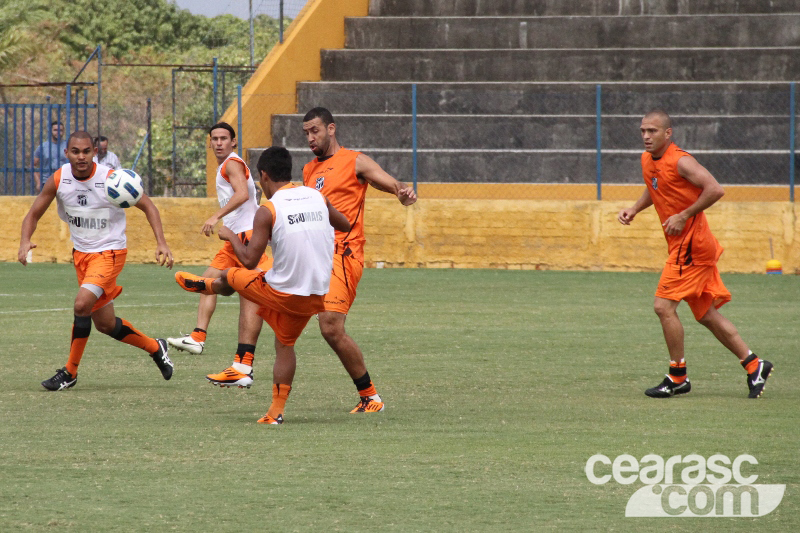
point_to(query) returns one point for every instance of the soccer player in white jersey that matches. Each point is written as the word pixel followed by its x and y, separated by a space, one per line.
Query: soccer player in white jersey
pixel 236 193
pixel 97 228
pixel 298 225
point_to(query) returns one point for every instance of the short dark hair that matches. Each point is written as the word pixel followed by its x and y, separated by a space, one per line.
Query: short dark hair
pixel 101 139
pixel 320 113
pixel 662 115
pixel 53 123
pixel 80 134
pixel 276 162
pixel 224 126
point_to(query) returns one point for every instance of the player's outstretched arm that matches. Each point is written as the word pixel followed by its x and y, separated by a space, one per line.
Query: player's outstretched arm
pixel 31 220
pixel 370 171
pixel 238 180
pixel 625 216
pixel 337 219
pixel 250 253
pixel 163 253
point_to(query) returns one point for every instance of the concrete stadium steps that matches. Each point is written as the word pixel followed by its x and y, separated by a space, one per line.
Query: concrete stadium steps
pixel 466 8
pixel 584 32
pixel 550 132
pixel 676 64
pixel 534 98
pixel 568 166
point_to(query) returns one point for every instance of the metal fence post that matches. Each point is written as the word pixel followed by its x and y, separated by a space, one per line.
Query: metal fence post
pixel 414 134
pixel 280 17
pixel 215 91
pixel 149 148
pixel 599 141
pixel 239 120
pixel 792 126
pixel 99 85
pixel 69 110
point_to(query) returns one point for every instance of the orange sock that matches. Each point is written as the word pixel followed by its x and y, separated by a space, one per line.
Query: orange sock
pixel 364 386
pixel 750 364
pixel 198 335
pixel 245 353
pixel 677 371
pixel 369 391
pixel 280 393
pixel 81 328
pixel 125 332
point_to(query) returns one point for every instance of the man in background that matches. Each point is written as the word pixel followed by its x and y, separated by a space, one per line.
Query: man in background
pixel 104 155
pixel 50 155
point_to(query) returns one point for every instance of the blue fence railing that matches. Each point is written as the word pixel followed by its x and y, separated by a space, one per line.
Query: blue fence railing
pixel 26 127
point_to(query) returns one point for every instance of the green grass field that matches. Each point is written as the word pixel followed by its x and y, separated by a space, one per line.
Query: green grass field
pixel 499 386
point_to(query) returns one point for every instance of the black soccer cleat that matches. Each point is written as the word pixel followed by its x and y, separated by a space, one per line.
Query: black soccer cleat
pixel 162 360
pixel 61 381
pixel 668 389
pixel 758 379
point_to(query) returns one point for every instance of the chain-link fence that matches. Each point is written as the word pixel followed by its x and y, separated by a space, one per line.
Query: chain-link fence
pixel 540 140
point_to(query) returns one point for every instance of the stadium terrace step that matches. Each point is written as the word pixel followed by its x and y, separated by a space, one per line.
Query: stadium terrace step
pixel 701 64
pixel 550 166
pixel 526 98
pixel 696 31
pixel 549 132
pixel 453 8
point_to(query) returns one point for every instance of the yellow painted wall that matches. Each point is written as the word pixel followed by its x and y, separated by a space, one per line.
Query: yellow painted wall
pixel 447 233
pixel 273 87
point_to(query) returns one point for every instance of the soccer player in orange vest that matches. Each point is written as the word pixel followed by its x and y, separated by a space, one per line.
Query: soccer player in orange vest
pixel 343 175
pixel 680 188
pixel 97 228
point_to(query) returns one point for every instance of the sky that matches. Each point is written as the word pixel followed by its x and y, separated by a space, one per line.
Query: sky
pixel 240 8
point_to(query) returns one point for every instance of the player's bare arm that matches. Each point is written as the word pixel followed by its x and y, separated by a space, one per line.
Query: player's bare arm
pixel 31 220
pixel 371 172
pixel 163 253
pixel 337 219
pixel 700 177
pixel 250 253
pixel 626 215
pixel 238 180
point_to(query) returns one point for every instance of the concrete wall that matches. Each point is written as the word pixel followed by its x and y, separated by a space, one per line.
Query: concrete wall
pixel 464 233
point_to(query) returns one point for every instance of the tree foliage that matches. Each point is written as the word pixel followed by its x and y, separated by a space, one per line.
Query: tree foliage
pixel 49 41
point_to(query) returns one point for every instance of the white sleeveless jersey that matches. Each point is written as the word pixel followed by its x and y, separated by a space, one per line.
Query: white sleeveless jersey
pixel 95 224
pixel 302 242
pixel 241 218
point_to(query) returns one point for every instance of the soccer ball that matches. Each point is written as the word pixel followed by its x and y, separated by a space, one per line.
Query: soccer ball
pixel 124 188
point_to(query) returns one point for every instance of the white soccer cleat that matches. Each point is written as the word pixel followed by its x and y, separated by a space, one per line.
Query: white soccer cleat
pixel 187 344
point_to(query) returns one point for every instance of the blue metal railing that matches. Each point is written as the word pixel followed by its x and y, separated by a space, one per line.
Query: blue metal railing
pixel 26 127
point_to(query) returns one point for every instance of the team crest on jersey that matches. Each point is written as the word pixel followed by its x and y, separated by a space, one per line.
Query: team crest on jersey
pixel 320 183
pixel 82 199
pixel 654 181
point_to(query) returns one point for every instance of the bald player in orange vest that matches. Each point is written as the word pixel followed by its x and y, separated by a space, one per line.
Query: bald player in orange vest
pixel 681 189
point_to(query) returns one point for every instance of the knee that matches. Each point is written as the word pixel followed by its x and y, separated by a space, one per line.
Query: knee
pixel 331 331
pixel 83 308
pixel 663 311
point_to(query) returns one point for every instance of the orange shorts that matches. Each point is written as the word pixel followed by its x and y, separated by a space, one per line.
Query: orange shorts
pixel 347 272
pixel 226 257
pixel 286 314
pixel 700 286
pixel 101 269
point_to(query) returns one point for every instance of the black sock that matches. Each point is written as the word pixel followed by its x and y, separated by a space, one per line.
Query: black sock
pixel 363 382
